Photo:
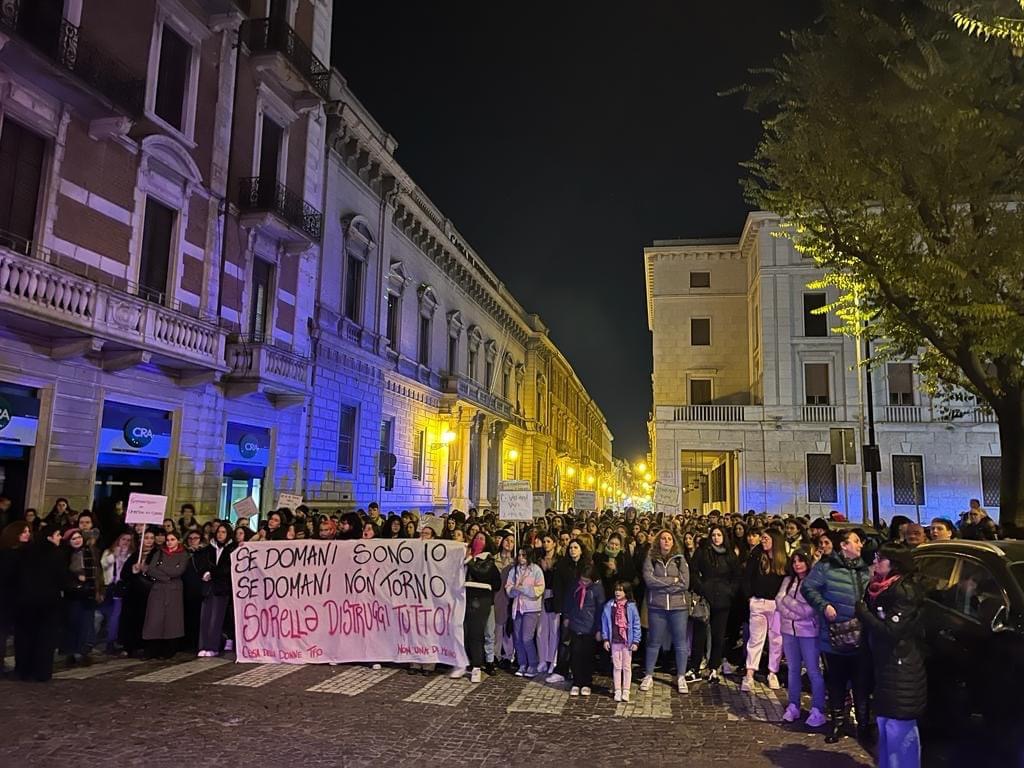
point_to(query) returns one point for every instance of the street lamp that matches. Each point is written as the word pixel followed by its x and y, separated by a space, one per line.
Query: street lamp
pixel 647 476
pixel 641 466
pixel 513 454
pixel 570 471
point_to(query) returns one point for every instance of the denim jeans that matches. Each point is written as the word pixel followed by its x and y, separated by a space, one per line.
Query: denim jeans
pixel 110 608
pixel 526 640
pixel 803 652
pixel 899 743
pixel 80 626
pixel 667 628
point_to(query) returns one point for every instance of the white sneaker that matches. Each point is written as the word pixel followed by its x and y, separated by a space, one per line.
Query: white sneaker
pixel 727 668
pixel 574 691
pixel 747 684
pixel 618 695
pixel 647 683
pixel 201 654
pixel 476 675
pixel 713 676
pixel 625 695
pixel 554 678
pixel 792 714
pixel 375 666
pixel 229 646
pixel 530 673
pixel 773 681
pixel 584 691
pixel 519 672
pixel 456 673
pixel 816 719
pixel 681 684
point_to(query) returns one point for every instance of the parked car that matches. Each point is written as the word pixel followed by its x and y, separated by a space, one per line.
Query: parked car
pixel 974 631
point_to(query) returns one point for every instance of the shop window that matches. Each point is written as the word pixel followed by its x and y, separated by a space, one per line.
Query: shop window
pixel 347 438
pixel 822 487
pixel 22 153
pixel 908 480
pixel 815 324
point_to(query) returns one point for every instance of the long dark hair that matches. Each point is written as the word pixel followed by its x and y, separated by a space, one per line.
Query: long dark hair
pixel 794 580
pixel 776 562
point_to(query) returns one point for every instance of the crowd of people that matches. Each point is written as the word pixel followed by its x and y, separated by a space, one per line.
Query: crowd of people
pixel 569 595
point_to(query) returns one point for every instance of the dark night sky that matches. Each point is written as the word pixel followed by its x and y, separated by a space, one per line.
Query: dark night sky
pixel 561 138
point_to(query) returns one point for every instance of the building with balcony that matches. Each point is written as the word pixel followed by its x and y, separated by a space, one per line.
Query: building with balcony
pixel 420 352
pixel 149 211
pixel 751 387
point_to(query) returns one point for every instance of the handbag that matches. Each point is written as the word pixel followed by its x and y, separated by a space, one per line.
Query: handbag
pixel 845 635
pixel 698 607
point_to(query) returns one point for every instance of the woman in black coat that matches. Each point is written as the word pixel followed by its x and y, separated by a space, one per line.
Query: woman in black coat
pixel 40 575
pixel 215 573
pixel 715 576
pixel 891 617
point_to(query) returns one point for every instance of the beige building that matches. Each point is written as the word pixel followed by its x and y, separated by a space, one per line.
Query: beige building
pixel 751 385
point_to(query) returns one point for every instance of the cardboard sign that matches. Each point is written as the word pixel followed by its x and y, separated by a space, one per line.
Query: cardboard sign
pixel 246 507
pixel 666 495
pixel 515 501
pixel 540 504
pixel 289 500
pixel 302 602
pixel 148 508
pixel 585 500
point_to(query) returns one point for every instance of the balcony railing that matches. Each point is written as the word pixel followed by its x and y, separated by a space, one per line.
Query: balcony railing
pixel 470 390
pixel 264 194
pixel 818 414
pixel 61 42
pixel 709 413
pixel 903 414
pixel 960 413
pixel 270 368
pixel 272 35
pixel 32 286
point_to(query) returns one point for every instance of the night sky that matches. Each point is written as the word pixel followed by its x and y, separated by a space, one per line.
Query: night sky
pixel 561 138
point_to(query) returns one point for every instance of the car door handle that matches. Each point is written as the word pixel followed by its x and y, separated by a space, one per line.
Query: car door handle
pixel 945 634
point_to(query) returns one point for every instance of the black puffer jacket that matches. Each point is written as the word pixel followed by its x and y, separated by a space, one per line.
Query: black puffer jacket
pixel 715 576
pixel 893 625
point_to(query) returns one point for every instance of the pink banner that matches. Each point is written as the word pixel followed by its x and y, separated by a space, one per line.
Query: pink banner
pixel 303 602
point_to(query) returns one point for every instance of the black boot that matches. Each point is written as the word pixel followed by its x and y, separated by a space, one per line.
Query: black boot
pixel 865 729
pixel 836 721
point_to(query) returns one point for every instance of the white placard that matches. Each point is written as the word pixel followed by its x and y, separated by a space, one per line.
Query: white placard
pixel 540 504
pixel 585 500
pixel 289 500
pixel 148 508
pixel 666 495
pixel 515 501
pixel 246 507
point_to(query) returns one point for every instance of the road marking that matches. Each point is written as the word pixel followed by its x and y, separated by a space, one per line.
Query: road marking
pixel 443 692
pixel 85 673
pixel 540 699
pixel 353 681
pixel 179 671
pixel 260 675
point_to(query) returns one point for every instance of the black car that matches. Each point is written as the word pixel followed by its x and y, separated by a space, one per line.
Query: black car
pixel 974 630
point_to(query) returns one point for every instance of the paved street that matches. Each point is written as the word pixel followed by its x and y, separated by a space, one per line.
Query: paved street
pixel 216 713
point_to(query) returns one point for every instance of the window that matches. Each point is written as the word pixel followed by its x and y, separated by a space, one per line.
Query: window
pixel 392 320
pixel 757 326
pixel 270 149
pixel 21 171
pixel 700 279
pixel 700 332
pixel 991 470
pixel 172 77
pixel 471 364
pixel 814 324
pixel 386 429
pixel 974 588
pixel 816 383
pixel 453 355
pixel 157 232
pixel 347 438
pixel 908 480
pixel 935 573
pixel 418 446
pixel 262 277
pixel 901 383
pixel 424 351
pixel 504 382
pixel 700 391
pixel 717 489
pixel 354 288
pixel 489 374
pixel 822 487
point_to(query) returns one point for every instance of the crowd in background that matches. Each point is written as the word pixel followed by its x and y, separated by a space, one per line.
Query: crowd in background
pixel 569 595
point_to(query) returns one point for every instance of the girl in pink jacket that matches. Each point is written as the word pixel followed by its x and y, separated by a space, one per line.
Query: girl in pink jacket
pixel 525 587
pixel 799 625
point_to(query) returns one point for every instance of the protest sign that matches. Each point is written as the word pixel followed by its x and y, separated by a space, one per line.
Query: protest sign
pixel 301 602
pixel 246 508
pixel 540 504
pixel 666 495
pixel 289 500
pixel 585 500
pixel 148 508
pixel 515 501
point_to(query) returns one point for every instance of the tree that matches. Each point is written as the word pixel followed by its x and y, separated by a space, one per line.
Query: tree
pixel 988 20
pixel 893 150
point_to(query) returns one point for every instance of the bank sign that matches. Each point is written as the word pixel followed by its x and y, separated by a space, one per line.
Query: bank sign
pixel 135 431
pixel 19 417
pixel 245 444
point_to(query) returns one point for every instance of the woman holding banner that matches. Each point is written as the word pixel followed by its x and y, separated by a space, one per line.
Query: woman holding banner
pixel 482 582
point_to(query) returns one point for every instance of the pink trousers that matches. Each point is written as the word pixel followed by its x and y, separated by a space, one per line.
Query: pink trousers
pixel 622 663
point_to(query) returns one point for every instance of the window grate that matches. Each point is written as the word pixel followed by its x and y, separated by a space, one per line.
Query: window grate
pixel 991 469
pixel 822 486
pixel 908 480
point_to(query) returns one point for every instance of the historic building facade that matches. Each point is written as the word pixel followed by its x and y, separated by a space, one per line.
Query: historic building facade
pixel 750 386
pixel 215 281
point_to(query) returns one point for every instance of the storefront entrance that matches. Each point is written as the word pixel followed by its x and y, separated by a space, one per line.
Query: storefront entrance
pixel 134 445
pixel 19 419
pixel 246 456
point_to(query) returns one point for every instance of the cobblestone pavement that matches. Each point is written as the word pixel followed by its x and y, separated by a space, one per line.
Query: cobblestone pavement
pixel 209 712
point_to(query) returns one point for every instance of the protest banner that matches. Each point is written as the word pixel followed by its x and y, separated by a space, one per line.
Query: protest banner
pixel 289 501
pixel 148 508
pixel 666 495
pixel 515 501
pixel 301 602
pixel 585 500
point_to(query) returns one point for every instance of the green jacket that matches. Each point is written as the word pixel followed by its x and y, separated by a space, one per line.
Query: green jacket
pixel 837 582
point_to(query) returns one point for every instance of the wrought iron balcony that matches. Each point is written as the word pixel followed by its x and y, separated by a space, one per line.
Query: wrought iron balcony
pixel 264 194
pixel 60 41
pixel 274 36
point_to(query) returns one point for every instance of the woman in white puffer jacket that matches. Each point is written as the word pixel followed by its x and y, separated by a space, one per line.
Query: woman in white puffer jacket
pixel 799 625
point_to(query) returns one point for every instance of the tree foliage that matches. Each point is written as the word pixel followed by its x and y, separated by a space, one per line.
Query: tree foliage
pixel 990 21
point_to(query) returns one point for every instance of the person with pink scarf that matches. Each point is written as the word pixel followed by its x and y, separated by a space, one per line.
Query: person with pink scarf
pixel 620 627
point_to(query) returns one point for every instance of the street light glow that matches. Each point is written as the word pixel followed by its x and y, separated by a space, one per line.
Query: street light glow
pixel 447 437
pixel 513 454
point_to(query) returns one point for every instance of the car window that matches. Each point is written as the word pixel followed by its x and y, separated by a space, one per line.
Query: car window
pixel 936 574
pixel 975 587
